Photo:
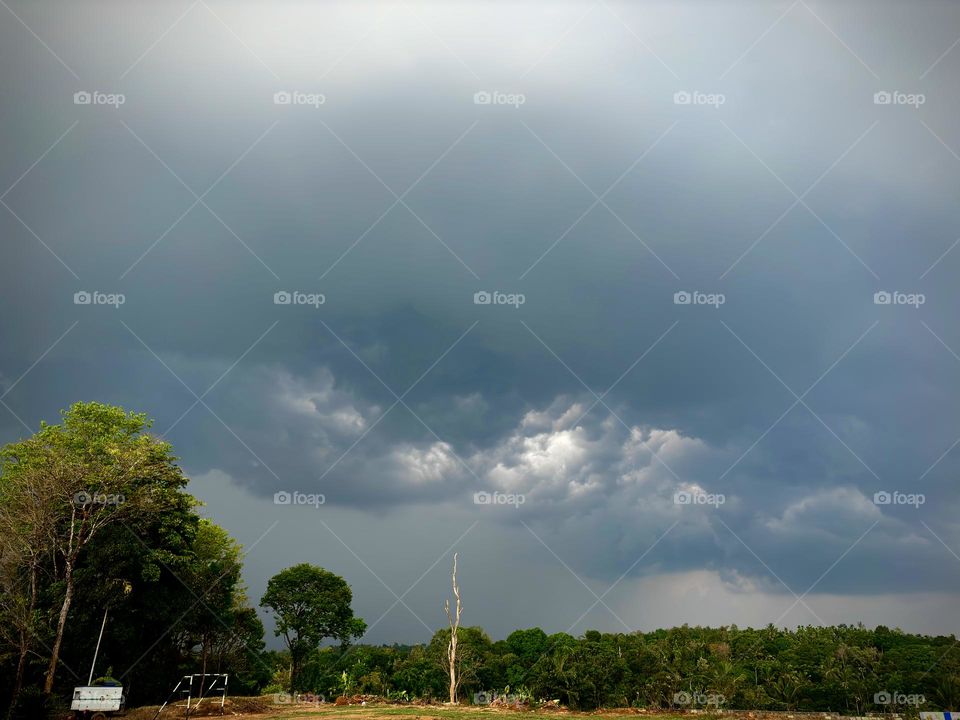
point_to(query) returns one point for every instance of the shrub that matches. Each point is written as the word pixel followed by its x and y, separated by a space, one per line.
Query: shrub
pixel 34 704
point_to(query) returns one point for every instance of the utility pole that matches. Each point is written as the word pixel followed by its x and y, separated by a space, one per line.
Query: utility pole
pixel 97 651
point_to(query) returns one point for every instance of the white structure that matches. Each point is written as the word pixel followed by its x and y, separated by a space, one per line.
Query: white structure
pixel 195 688
pixel 97 699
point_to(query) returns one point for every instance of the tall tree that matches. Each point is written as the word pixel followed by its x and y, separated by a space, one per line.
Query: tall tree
pixel 25 524
pixel 215 573
pixel 310 605
pixel 98 468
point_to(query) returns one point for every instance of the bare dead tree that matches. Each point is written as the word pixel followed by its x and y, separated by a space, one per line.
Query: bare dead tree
pixel 454 620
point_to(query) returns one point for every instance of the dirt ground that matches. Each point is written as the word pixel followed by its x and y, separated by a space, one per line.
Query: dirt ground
pixel 264 709
pixel 423 713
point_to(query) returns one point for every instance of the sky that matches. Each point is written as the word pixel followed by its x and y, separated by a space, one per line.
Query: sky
pixel 646 310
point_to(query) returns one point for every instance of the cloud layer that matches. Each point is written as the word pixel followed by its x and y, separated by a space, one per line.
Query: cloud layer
pixel 818 414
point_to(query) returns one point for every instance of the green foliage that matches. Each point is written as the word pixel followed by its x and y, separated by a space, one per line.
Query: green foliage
pixel 837 669
pixel 586 674
pixel 34 704
pixel 145 558
pixel 310 605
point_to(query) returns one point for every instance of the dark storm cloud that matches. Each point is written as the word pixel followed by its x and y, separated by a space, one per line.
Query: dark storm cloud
pixel 495 197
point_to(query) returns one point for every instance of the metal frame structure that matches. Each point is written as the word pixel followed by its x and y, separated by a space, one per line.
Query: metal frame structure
pixel 187 691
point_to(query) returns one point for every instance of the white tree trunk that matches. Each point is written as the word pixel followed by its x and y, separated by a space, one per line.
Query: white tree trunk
pixel 454 620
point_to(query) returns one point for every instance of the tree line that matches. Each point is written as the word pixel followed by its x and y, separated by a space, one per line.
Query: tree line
pixel 96 523
pixel 840 669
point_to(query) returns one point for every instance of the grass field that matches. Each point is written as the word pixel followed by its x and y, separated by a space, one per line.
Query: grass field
pixel 424 713
pixel 386 712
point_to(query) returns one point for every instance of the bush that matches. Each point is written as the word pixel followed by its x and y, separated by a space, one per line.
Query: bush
pixel 34 704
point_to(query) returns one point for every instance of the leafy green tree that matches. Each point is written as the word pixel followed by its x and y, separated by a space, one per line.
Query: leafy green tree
pixel 725 679
pixel 527 645
pixel 25 524
pixel 420 675
pixel 98 468
pixel 946 692
pixel 852 671
pixel 216 571
pixel 145 558
pixel 310 605
pixel 787 688
pixel 156 558
pixel 238 648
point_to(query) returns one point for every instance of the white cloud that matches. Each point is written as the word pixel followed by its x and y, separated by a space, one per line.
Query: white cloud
pixel 561 457
pixel 829 510
pixel 317 401
pixel 421 466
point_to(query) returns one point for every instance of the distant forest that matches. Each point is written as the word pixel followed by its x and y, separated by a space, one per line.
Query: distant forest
pixel 846 669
